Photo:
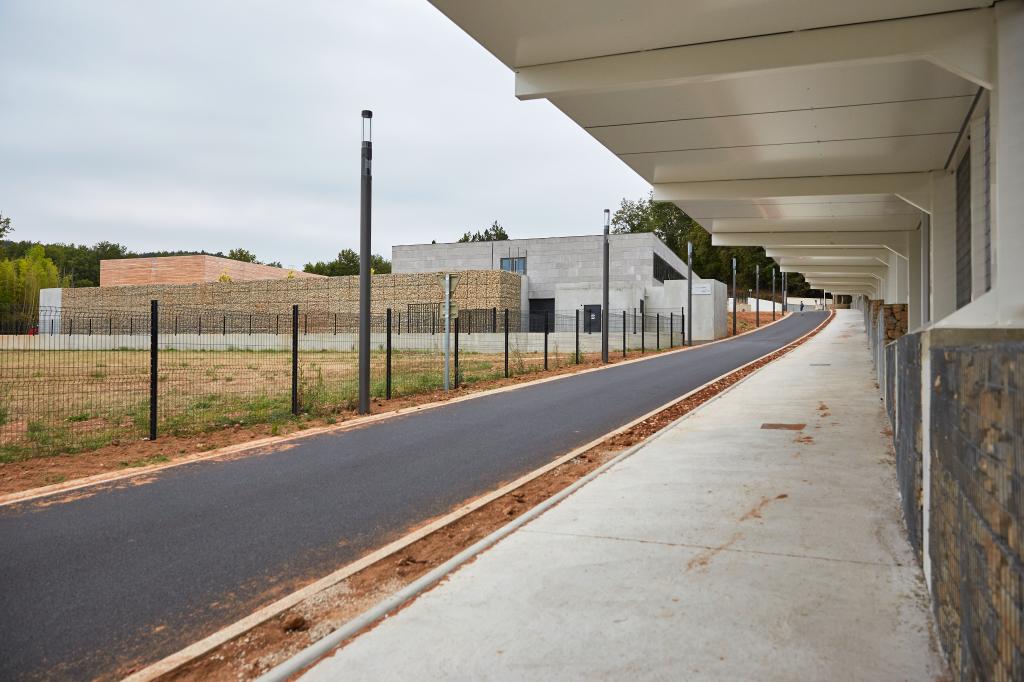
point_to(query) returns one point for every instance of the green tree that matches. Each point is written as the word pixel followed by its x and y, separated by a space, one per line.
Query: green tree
pixel 5 225
pixel 494 233
pixel 675 228
pixel 20 282
pixel 347 263
pixel 243 255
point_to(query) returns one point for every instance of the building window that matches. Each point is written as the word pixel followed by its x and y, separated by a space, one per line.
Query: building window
pixel 516 265
pixel 987 189
pixel 963 230
pixel 663 271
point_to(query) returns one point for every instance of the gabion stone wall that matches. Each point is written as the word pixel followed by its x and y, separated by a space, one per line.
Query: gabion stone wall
pixel 475 289
pixel 908 434
pixel 894 321
pixel 977 500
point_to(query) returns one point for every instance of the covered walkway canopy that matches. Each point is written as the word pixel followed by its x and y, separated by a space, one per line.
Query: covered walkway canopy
pixel 832 133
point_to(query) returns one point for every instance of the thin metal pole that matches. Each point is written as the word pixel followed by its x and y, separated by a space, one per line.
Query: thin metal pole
pixel 643 329
pixel 295 359
pixel 773 294
pixel 623 333
pixel 506 343
pixel 671 327
pixel 494 320
pixel 576 329
pixel 757 296
pixel 456 352
pixel 366 189
pixel 682 325
pixel 154 349
pixel 545 340
pixel 387 380
pixel 604 286
pixel 657 331
pixel 688 313
pixel 447 311
pixel 734 296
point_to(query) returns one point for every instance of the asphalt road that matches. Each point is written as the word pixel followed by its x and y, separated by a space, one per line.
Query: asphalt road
pixel 136 572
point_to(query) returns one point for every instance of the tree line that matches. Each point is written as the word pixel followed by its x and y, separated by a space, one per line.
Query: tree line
pixel 675 228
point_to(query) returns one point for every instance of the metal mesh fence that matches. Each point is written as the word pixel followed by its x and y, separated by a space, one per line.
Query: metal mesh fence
pixel 78 379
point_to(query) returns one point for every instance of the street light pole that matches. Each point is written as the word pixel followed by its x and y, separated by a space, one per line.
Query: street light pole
pixel 757 295
pixel 773 294
pixel 689 293
pixel 366 188
pixel 604 300
pixel 734 296
pixel 785 293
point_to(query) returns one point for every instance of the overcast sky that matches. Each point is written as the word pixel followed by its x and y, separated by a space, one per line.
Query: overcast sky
pixel 216 124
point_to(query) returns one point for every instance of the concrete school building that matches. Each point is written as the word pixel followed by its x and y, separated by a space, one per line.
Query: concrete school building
pixel 877 148
pixel 561 275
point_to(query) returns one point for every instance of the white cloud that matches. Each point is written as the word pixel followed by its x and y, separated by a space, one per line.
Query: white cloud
pixel 210 125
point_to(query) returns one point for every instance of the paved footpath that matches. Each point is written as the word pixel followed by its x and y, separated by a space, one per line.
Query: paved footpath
pixel 720 550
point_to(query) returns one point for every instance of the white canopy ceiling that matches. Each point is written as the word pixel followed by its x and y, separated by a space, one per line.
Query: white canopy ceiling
pixel 809 124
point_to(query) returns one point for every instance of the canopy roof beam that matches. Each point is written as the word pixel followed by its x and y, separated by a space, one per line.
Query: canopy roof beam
pixel 895 241
pixel 960 42
pixel 813 186
pixel 826 254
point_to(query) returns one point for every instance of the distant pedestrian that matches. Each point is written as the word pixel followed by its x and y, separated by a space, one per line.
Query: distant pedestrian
pixel 801 306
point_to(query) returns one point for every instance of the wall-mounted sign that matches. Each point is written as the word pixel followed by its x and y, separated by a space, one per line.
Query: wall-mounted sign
pixel 702 288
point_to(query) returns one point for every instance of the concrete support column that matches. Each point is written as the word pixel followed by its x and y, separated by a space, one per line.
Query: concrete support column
pixel 924 260
pixel 943 243
pixel 1007 132
pixel 914 275
pixel 897 281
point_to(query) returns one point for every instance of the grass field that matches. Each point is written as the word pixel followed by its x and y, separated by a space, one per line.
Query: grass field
pixel 57 402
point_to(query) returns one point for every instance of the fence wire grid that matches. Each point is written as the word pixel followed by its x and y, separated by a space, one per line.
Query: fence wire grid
pixel 78 379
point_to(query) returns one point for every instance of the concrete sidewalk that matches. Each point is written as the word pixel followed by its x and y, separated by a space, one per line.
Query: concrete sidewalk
pixel 721 550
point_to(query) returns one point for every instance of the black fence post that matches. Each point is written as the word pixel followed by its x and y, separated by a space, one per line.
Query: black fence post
pixel 456 352
pixel 154 343
pixel 387 380
pixel 71 326
pixel 200 324
pixel 577 330
pixel 250 324
pixel 305 323
pixel 295 359
pixel 398 327
pixel 545 340
pixel 657 331
pixel 623 333
pixel 131 326
pixel 277 323
pixel 90 326
pixel 336 323
pixel 494 320
pixel 671 328
pixel 506 343
pixel 110 325
pixel 634 321
pixel 643 328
